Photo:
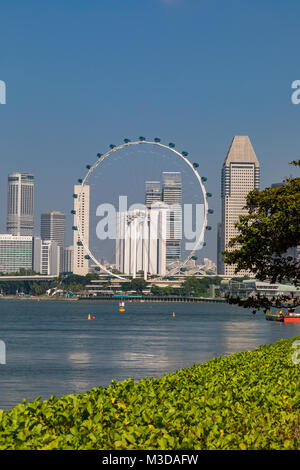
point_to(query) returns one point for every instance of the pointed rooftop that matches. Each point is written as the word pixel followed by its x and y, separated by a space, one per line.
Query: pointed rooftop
pixel 241 151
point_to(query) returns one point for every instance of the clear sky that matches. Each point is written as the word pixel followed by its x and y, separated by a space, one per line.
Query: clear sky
pixel 83 74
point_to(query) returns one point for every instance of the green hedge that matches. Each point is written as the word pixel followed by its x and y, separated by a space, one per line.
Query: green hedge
pixel 249 400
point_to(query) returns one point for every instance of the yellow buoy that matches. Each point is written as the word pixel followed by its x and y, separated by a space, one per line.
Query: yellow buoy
pixel 89 317
pixel 173 314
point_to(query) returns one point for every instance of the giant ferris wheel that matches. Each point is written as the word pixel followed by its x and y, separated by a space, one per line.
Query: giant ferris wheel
pixel 199 243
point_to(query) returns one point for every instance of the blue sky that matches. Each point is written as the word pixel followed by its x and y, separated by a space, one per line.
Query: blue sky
pixel 81 75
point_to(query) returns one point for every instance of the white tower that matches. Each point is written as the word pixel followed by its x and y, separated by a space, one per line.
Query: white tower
pixel 141 240
pixel 20 208
pixel 82 210
pixel 172 195
pixel 240 175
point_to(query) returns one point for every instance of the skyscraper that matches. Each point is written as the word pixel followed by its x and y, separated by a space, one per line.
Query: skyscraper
pixel 240 175
pixel 46 257
pixel 141 240
pixel 20 207
pixel 53 227
pixel 172 195
pixel 82 210
pixel 152 193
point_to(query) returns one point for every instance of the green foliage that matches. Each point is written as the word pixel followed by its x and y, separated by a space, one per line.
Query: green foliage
pixel 198 287
pixel 137 285
pixel 249 400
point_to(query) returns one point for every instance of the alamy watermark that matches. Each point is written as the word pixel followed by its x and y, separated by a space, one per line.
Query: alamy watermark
pixel 296 94
pixel 2 352
pixel 179 222
pixel 2 92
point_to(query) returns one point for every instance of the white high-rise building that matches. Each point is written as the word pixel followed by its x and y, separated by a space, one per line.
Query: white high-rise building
pixel 20 206
pixel 46 257
pixel 141 240
pixel 53 228
pixel 82 210
pixel 172 195
pixel 68 256
pixel 240 175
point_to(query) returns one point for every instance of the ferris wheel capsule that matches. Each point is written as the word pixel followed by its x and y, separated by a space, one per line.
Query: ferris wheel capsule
pixel 88 166
pixel 210 211
pixel 74 228
pixel 87 257
pixel 209 194
pixel 79 180
pixel 126 141
pixel 208 227
pixel 75 196
pixel 73 211
pixel 171 145
pixel 185 154
pixel 112 146
pixel 142 138
pixel 203 178
pixel 97 268
pixel 99 155
pixel 157 139
pixel 195 165
pixel 79 243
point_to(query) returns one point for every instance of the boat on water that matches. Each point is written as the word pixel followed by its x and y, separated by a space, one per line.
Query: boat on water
pixel 121 306
pixel 278 316
pixel 290 316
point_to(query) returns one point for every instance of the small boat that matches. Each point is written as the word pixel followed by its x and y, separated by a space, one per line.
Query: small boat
pixel 122 306
pixel 291 316
pixel 277 316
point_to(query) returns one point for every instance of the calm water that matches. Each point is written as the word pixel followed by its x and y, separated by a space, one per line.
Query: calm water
pixel 53 349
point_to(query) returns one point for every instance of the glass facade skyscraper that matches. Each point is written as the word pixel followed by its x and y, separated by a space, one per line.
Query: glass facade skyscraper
pixel 20 207
pixel 172 196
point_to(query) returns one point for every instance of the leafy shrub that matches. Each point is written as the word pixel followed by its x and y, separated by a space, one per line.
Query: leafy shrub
pixel 249 400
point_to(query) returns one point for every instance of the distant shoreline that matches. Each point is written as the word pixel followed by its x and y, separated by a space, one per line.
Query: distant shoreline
pixel 116 300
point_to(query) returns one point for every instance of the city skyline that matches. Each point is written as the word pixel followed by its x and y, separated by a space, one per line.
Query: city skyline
pixel 58 116
pixel 240 149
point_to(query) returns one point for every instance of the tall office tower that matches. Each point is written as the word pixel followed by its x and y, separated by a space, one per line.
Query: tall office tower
pixel 240 175
pixel 152 193
pixel 46 257
pixel 82 210
pixel 20 206
pixel 53 227
pixel 172 195
pixel 67 266
pixel 141 240
pixel 219 248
